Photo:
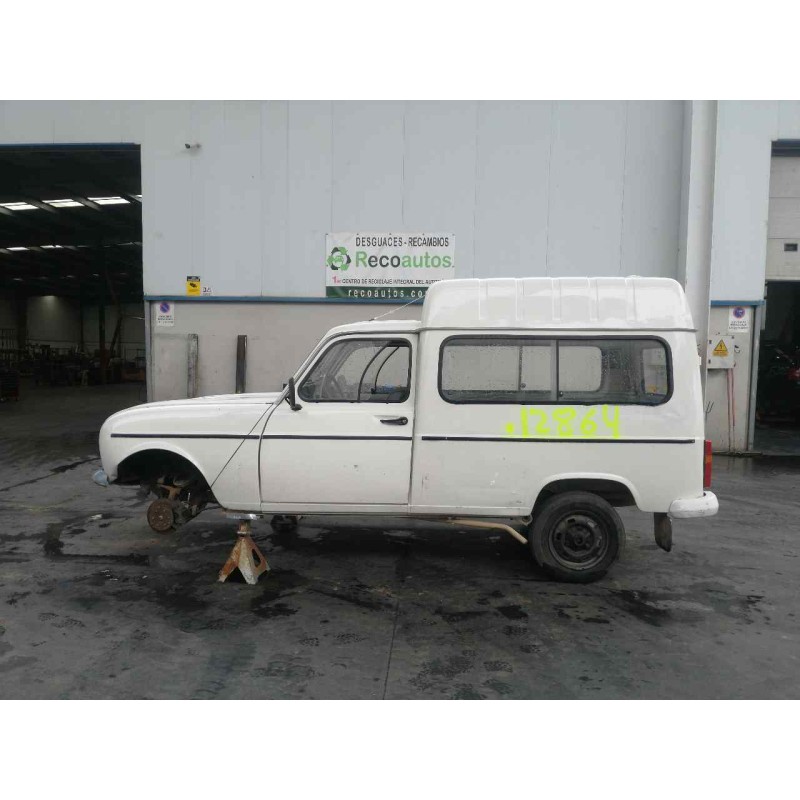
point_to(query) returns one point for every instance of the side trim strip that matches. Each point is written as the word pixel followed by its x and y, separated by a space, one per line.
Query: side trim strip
pixel 395 438
pixel 554 441
pixel 348 438
pixel 184 436
pixel 252 436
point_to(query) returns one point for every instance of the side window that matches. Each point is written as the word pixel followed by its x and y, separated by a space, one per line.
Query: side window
pixel 502 369
pixel 360 371
pixel 496 370
pixel 579 368
pixel 619 371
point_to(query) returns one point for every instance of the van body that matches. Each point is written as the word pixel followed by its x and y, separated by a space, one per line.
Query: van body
pixel 508 398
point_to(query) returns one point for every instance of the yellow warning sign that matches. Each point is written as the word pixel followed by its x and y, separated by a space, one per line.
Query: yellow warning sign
pixel 193 285
pixel 720 350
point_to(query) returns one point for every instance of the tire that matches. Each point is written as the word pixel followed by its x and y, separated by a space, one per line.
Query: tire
pixel 576 537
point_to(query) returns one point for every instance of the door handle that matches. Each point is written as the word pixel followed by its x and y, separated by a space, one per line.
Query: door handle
pixel 395 421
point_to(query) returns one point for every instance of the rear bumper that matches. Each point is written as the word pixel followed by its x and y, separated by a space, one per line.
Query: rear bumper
pixel 688 507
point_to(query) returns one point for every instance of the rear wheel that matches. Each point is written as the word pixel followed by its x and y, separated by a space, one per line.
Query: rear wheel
pixel 576 537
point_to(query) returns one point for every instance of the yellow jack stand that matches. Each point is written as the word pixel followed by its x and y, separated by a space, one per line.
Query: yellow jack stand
pixel 245 556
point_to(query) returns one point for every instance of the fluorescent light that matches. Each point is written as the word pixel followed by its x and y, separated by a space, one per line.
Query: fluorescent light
pixel 18 206
pixel 65 203
pixel 18 279
pixel 52 247
pixel 109 201
pixel 16 248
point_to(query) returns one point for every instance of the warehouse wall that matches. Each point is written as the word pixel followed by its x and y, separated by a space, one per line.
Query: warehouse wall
pixel 54 321
pixel 132 334
pixel 8 318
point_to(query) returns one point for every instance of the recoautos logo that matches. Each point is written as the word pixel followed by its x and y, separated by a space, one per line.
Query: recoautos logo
pixel 339 259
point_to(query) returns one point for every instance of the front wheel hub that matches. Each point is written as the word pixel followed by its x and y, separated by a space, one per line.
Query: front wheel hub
pixel 161 515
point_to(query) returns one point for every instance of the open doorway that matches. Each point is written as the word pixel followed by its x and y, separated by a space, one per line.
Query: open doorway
pixel 777 427
pixel 71 298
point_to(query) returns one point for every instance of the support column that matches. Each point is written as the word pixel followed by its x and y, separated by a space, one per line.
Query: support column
pixel 241 364
pixel 101 335
pixel 696 220
pixel 21 318
pixel 191 383
pixel 148 352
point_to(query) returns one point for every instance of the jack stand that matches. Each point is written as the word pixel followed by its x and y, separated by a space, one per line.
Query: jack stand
pixel 245 556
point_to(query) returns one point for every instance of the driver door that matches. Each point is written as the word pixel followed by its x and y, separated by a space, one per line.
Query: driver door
pixel 350 442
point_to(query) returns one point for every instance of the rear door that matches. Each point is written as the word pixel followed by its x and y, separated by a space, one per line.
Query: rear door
pixel 350 442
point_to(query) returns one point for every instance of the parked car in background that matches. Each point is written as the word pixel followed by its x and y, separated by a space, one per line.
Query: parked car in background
pixel 778 381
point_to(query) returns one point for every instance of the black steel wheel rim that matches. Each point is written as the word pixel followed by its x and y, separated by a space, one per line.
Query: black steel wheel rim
pixel 579 541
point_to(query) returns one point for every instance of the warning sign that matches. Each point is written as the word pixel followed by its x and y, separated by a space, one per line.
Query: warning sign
pixel 193 286
pixel 720 350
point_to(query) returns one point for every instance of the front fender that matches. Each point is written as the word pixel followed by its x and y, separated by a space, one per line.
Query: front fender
pixel 116 449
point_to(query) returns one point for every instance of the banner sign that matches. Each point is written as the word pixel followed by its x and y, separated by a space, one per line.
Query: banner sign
pixel 387 266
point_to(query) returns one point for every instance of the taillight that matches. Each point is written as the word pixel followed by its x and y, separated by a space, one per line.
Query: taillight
pixel 707 464
pixel 793 374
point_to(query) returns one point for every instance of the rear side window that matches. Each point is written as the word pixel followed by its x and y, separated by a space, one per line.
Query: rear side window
pixel 496 369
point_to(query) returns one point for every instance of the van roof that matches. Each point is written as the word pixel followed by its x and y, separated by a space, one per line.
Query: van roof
pixel 558 303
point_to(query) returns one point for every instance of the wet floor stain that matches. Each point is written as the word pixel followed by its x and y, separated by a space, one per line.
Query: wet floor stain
pixel 277 584
pixel 59 470
pixel 466 692
pixel 455 617
pixel 512 612
pixel 272 610
pixel 355 595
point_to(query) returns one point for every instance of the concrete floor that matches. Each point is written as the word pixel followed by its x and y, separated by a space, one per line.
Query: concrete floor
pixel 93 604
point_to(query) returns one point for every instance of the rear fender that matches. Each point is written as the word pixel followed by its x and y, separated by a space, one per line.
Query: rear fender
pixel 577 477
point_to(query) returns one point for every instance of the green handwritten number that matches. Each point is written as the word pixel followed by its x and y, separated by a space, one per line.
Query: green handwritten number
pixel 588 425
pixel 534 422
pixel 541 426
pixel 612 420
pixel 563 418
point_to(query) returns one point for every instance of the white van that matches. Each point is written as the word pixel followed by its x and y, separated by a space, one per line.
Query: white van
pixel 539 402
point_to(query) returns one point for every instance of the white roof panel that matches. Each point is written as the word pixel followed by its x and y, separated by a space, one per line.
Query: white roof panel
pixel 558 303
